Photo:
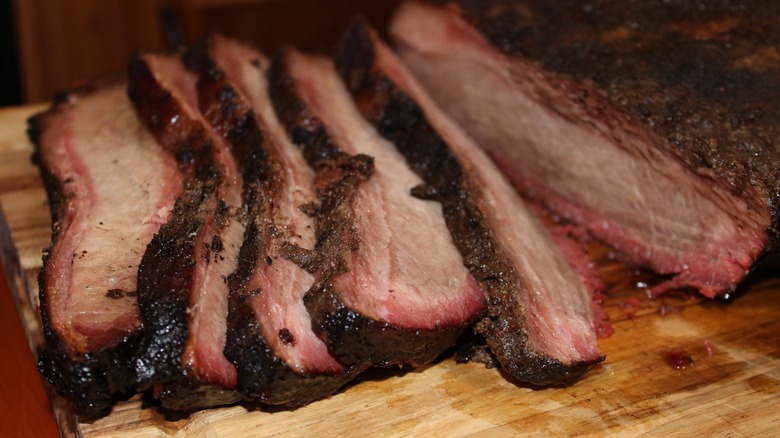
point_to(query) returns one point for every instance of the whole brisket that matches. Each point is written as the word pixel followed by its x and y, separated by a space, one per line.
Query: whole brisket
pixel 397 291
pixel 541 322
pixel 110 187
pixel 653 124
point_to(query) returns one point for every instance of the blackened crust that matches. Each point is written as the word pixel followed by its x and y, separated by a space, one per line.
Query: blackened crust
pixel 305 130
pixel 701 77
pixel 164 282
pixel 262 374
pixel 189 395
pixel 164 279
pixel 92 382
pixel 357 339
pixel 156 109
pixel 398 118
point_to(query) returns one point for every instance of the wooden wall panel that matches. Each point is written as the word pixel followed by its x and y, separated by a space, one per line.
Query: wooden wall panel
pixel 310 24
pixel 62 42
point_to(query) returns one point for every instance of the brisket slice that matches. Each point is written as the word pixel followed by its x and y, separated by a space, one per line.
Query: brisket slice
pixel 183 277
pixel 402 294
pixel 540 323
pixel 654 124
pixel 278 357
pixel 110 187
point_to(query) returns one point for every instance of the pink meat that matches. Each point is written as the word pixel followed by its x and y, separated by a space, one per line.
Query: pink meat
pixel 407 272
pixel 117 188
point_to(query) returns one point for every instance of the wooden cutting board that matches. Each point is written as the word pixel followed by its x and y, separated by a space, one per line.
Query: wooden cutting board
pixel 732 388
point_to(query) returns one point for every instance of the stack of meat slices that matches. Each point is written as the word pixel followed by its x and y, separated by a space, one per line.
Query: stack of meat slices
pixel 228 227
pixel 273 239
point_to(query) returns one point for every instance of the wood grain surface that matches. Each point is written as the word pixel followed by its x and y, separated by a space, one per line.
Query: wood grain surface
pixel 731 388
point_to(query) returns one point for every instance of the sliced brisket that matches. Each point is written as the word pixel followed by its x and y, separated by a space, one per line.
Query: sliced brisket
pixel 654 124
pixel 110 187
pixel 270 340
pixel 183 277
pixel 400 293
pixel 540 323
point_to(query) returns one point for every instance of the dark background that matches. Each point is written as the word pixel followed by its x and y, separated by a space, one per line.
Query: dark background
pixel 10 90
pixel 51 45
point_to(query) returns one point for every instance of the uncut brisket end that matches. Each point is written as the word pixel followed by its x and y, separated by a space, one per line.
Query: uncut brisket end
pixel 402 294
pixel 654 124
pixel 540 323
pixel 110 187
pixel 183 277
pixel 278 357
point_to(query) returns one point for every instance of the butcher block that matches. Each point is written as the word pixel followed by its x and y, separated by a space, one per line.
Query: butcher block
pixel 675 365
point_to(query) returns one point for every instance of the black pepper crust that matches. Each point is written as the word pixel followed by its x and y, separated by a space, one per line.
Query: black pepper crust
pixel 353 337
pixel 262 374
pixel 398 118
pixel 94 380
pixel 702 77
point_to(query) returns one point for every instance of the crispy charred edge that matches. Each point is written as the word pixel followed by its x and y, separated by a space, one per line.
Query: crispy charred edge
pixel 166 269
pixel 164 283
pixel 92 381
pixel 399 119
pixel 164 280
pixel 357 339
pixel 261 373
pixel 354 338
pixel 189 395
